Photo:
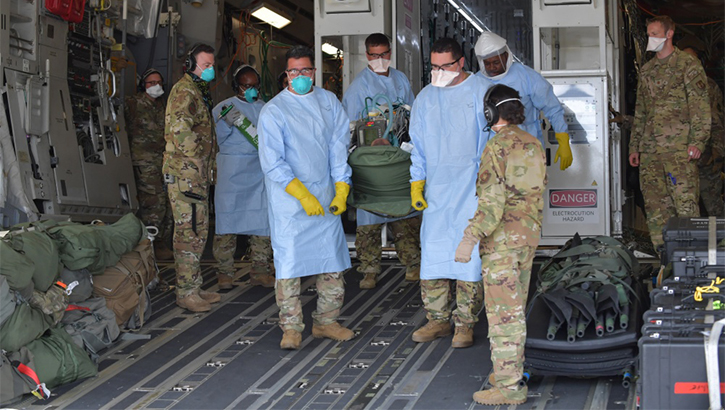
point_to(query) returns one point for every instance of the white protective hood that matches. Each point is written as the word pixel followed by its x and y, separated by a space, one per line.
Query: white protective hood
pixel 490 45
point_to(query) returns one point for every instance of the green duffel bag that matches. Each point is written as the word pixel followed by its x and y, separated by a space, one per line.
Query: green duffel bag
pixel 59 360
pixel 122 236
pixel 16 268
pixel 95 247
pixel 381 180
pixel 22 327
pixel 7 300
pixel 43 251
pixel 18 377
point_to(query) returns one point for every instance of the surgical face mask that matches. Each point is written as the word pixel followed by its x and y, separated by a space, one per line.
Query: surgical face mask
pixel 208 74
pixel 379 65
pixel 441 78
pixel 250 94
pixel 656 43
pixel 301 84
pixel 155 91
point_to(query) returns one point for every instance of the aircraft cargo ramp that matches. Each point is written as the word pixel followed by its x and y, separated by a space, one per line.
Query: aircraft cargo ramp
pixel 230 358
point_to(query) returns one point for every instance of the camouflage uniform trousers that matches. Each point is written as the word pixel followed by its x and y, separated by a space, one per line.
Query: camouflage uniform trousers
pixel 406 236
pixel 506 277
pixel 259 251
pixel 711 186
pixel 153 202
pixel 188 242
pixel 469 299
pixel 330 295
pixel 670 186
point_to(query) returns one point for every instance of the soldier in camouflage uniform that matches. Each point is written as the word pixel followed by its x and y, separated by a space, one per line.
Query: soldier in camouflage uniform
pixel 507 224
pixel 145 126
pixel 188 163
pixel 710 164
pixel 671 127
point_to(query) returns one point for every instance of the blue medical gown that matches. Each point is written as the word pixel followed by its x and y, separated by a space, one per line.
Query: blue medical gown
pixel 446 129
pixel 304 137
pixel 239 196
pixel 369 84
pixel 537 94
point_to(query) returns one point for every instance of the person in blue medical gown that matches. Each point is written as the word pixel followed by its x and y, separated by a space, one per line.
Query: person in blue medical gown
pixel 497 64
pixel 379 78
pixel 240 199
pixel 447 131
pixel 303 142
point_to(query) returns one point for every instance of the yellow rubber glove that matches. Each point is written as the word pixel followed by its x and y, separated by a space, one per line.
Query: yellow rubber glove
pixel 564 151
pixel 416 195
pixel 339 202
pixel 309 203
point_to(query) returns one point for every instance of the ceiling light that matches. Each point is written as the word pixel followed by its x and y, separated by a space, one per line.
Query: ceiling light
pixel 330 49
pixel 271 17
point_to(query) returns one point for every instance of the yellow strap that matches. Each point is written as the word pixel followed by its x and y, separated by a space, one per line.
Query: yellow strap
pixel 711 288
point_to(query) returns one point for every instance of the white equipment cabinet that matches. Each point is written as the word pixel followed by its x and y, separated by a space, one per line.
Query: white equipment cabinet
pixel 575 51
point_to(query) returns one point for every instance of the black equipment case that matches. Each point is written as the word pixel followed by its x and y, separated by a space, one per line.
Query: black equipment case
pixel 672 372
pixel 690 232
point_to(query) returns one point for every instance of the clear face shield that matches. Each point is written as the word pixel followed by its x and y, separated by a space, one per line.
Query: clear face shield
pixel 495 65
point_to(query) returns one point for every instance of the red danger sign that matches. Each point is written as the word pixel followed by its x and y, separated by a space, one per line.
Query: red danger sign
pixel 573 198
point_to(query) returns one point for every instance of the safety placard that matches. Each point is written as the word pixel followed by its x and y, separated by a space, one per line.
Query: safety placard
pixel 572 206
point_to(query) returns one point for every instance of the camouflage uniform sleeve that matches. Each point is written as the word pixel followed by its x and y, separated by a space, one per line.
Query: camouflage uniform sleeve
pixel 129 112
pixel 640 116
pixel 698 106
pixel 181 109
pixel 491 191
pixel 716 111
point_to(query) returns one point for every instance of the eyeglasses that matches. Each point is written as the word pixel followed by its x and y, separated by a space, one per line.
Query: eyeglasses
pixel 379 55
pixel 294 72
pixel 153 83
pixel 248 86
pixel 444 66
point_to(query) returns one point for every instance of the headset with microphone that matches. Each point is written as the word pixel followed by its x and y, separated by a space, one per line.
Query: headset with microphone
pixel 144 76
pixel 190 62
pixel 490 110
pixel 235 84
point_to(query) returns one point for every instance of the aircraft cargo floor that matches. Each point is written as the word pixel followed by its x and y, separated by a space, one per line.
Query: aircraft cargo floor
pixel 230 358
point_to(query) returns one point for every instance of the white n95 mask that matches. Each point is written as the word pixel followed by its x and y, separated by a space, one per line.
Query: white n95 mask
pixel 155 91
pixel 441 78
pixel 656 43
pixel 379 65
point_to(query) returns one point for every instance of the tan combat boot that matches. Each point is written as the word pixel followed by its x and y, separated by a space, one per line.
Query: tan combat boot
pixel 432 330
pixel 265 281
pixel 211 297
pixel 463 337
pixel 494 396
pixel 162 252
pixel 291 340
pixel 412 275
pixel 332 331
pixel 193 302
pixel 369 281
pixel 224 281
